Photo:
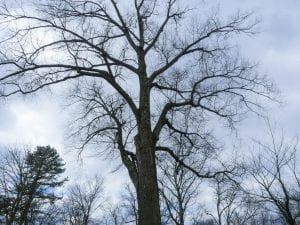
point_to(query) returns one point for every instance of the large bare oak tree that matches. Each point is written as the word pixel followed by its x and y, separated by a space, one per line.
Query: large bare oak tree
pixel 145 71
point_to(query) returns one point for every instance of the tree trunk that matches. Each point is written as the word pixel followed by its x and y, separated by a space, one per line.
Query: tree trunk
pixel 147 190
pixel 147 193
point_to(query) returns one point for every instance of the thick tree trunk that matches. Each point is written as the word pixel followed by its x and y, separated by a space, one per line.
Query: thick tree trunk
pixel 147 193
pixel 147 190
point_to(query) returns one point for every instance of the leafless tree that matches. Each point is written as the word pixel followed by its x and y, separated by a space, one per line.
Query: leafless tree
pixel 265 216
pixel 114 215
pixel 162 74
pixel 52 214
pixel 82 201
pixel 129 204
pixel 231 203
pixel 231 206
pixel 12 169
pixel 275 171
pixel 178 190
pixel 179 186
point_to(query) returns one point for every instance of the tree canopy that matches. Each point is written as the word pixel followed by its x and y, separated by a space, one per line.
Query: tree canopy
pixel 148 75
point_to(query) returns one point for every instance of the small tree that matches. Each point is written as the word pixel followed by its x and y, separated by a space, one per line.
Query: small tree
pixel 233 205
pixel 82 201
pixel 276 173
pixel 179 187
pixel 129 204
pixel 28 182
pixel 125 212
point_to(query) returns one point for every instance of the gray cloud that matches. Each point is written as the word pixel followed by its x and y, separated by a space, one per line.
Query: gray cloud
pixel 277 48
pixel 7 119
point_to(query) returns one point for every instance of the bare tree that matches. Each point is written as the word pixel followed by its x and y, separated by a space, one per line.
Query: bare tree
pixel 179 192
pixel 275 170
pixel 114 215
pixel 129 204
pixel 234 206
pixel 179 186
pixel 161 75
pixel 13 175
pixel 82 201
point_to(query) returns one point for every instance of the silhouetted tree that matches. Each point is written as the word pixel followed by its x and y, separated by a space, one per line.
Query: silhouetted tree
pixel 275 170
pixel 179 186
pixel 82 201
pixel 129 203
pixel 144 74
pixel 233 205
pixel 27 182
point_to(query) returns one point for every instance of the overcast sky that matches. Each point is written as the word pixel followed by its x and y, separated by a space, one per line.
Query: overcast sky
pixel 40 120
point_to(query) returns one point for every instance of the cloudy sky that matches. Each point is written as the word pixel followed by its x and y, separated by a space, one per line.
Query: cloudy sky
pixel 40 120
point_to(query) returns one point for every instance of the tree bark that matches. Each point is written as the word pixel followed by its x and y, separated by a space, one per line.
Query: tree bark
pixel 147 193
pixel 147 190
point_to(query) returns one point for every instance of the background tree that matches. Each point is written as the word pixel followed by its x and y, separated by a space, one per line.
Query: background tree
pixel 13 176
pixel 162 75
pixel 115 215
pixel 275 170
pixel 179 186
pixel 82 201
pixel 129 203
pixel 52 214
pixel 28 181
pixel 233 205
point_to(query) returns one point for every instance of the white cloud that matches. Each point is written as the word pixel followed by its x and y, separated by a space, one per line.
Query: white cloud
pixel 41 122
pixel 32 122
